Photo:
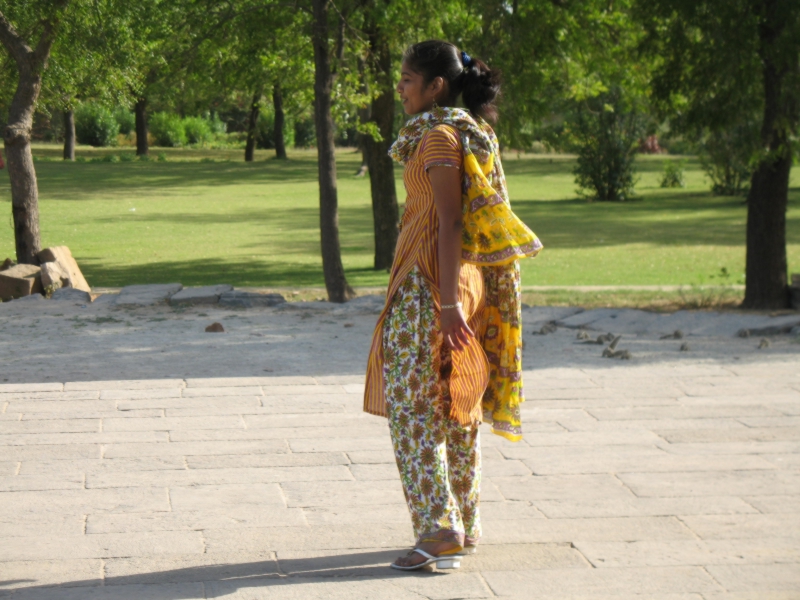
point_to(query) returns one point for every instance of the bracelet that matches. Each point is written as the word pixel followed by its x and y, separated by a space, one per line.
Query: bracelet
pixel 456 305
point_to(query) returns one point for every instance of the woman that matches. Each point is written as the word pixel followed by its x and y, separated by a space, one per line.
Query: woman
pixel 447 347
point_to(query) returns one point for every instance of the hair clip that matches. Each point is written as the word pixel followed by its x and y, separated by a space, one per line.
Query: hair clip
pixel 466 60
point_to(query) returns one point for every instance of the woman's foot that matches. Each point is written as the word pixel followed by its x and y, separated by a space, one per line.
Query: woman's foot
pixel 435 548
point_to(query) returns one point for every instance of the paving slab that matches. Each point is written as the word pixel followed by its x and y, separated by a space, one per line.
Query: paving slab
pixel 209 294
pixel 147 295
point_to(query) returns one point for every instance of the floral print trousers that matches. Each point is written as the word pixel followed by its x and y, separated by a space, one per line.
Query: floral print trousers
pixel 439 460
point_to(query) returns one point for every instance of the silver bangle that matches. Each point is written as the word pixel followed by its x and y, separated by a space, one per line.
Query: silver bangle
pixel 456 305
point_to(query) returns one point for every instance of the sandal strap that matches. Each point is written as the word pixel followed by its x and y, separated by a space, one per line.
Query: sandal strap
pixel 423 553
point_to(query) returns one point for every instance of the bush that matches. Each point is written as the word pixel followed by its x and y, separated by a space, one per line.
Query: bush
pixel 95 125
pixel 198 130
pixel 126 120
pixel 673 174
pixel 607 133
pixel 167 129
pixel 725 157
pixel 265 132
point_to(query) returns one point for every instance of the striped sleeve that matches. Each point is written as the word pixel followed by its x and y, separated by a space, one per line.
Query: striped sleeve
pixel 441 147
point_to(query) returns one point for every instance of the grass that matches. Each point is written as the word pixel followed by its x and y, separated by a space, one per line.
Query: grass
pixel 205 217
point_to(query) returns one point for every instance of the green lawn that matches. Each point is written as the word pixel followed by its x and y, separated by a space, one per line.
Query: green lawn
pixel 256 224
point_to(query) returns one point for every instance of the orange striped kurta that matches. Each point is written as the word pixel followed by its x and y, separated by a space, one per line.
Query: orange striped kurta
pixel 417 246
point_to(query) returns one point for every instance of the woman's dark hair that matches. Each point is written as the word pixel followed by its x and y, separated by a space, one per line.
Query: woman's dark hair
pixel 478 85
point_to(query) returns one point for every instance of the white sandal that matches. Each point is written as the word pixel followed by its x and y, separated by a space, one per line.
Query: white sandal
pixel 449 561
pixel 467 550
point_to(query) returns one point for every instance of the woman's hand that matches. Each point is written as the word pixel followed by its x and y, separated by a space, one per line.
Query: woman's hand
pixel 455 330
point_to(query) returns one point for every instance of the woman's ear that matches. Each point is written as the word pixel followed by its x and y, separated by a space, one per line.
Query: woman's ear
pixel 437 85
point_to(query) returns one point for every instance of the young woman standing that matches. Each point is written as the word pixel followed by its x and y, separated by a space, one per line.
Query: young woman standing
pixel 447 350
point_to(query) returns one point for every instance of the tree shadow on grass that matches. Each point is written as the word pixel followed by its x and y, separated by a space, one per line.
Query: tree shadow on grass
pixel 368 566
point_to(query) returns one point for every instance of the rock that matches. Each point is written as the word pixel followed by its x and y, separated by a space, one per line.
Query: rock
pixel 215 328
pixel 239 299
pixel 147 295
pixel 795 330
pixel 623 354
pixel 55 275
pixel 743 333
pixel 685 347
pixel 548 328
pixel 7 264
pixel 20 280
pixel 62 256
pixel 582 335
pixel 348 324
pixel 209 294
pixel 764 343
pixel 66 294
pixel 675 335
pixel 33 297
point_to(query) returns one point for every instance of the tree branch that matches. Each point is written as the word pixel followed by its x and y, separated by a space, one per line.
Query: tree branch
pixel 13 42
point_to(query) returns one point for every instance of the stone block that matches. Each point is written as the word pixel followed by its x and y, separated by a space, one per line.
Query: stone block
pixel 240 299
pixel 757 578
pixel 309 459
pixel 713 483
pixel 20 281
pixel 195 448
pixel 147 295
pixel 84 502
pixel 601 506
pixel 116 591
pixel 224 497
pixel 68 266
pixel 54 276
pixel 343 493
pixel 103 546
pixel 39 574
pixel 232 518
pixel 193 567
pixel 208 294
pixel 588 583
pixel 68 294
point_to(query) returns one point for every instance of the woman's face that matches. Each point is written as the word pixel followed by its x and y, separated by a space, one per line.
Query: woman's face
pixel 414 94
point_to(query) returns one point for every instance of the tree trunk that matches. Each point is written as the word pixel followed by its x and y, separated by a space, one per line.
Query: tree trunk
pixel 280 122
pixel 17 134
pixel 252 123
pixel 335 281
pixel 766 285
pixel 69 135
pixel 140 110
pixel 380 165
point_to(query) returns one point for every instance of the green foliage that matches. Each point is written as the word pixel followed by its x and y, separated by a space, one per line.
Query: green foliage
pixel 167 129
pixel 673 174
pixel 95 125
pixel 607 132
pixel 265 137
pixel 725 157
pixel 126 120
pixel 305 135
pixel 198 130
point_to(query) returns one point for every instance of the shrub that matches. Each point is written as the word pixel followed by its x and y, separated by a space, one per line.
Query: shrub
pixel 607 133
pixel 673 174
pixel 95 125
pixel 125 119
pixel 725 157
pixel 167 130
pixel 162 157
pixel 198 130
pixel 265 135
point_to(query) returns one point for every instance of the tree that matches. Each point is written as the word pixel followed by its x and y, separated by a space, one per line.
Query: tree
pixel 31 64
pixel 380 165
pixel 723 60
pixel 333 270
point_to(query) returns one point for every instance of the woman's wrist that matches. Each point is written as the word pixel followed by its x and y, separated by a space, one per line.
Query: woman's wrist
pixel 454 305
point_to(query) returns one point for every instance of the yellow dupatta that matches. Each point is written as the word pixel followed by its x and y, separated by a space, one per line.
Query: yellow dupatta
pixel 494 238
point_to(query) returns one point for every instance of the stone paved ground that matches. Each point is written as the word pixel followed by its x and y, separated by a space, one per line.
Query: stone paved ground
pixel 141 458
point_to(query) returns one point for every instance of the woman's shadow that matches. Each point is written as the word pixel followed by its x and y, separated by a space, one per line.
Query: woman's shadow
pixel 222 579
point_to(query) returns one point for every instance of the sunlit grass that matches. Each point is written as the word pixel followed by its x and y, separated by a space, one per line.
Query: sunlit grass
pixel 200 222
